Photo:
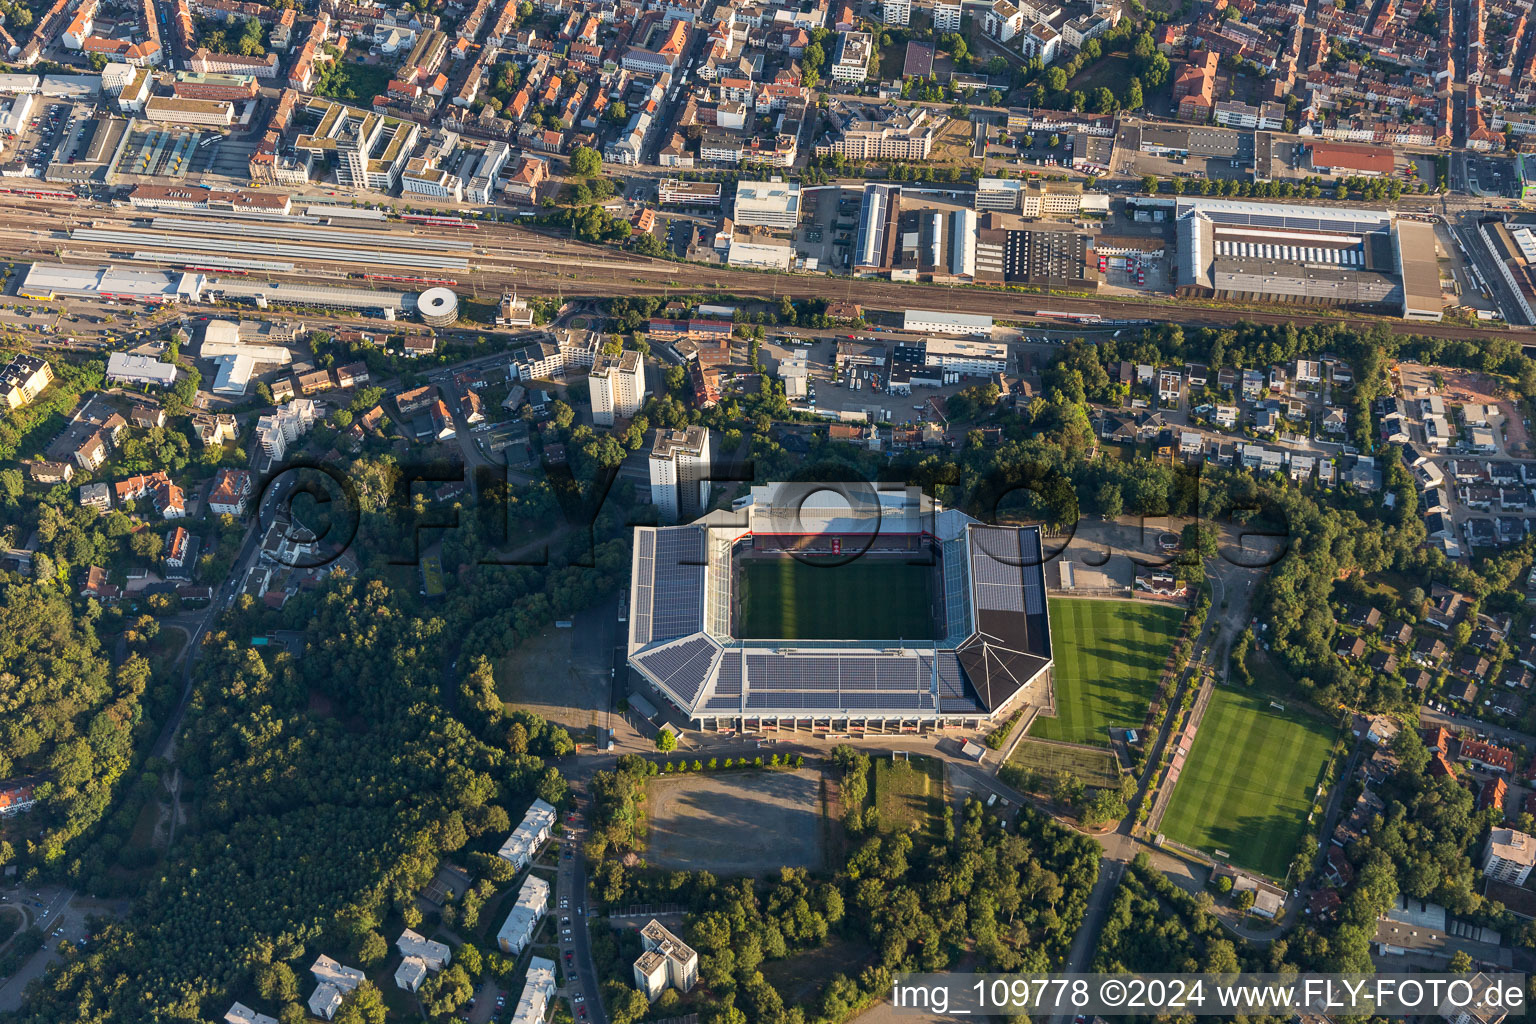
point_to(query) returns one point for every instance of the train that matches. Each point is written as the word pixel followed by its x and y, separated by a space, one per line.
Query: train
pixel 217 270
pixel 37 193
pixel 440 222
pixel 1076 318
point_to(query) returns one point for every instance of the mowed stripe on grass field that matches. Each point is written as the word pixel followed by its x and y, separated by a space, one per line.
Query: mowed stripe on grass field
pixel 1108 655
pixel 869 598
pixel 1248 785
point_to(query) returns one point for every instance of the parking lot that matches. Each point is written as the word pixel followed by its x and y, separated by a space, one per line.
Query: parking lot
pixel 49 125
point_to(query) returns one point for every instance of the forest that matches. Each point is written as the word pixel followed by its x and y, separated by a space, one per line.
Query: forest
pixel 327 786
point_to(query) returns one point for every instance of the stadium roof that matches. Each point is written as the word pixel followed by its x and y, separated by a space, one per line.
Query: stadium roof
pixel 996 636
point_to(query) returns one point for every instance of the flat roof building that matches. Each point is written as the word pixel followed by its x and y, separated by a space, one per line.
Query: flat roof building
pixel 927 321
pixel 679 466
pixel 1414 246
pixel 48 281
pixel 667 961
pixel 617 386
pixel 768 204
pixel 129 368
pixel 675 192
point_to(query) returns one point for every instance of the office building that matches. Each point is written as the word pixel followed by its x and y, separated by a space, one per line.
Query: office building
pixel 854 50
pixel 767 204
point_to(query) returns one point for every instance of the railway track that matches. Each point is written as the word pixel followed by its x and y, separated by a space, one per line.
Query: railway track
pixel 508 255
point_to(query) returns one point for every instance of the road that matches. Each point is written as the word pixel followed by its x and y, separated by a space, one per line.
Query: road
pixel 62 917
pixel 223 596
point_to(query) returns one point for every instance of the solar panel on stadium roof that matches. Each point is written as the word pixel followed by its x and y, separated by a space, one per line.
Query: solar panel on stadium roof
pixel 678 605
pixel 689 678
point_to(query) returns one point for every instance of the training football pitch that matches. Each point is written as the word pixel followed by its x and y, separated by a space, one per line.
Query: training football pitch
pixel 1108 658
pixel 1249 782
pixel 868 598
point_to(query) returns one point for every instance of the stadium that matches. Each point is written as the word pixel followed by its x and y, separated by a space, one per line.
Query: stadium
pixel 839 609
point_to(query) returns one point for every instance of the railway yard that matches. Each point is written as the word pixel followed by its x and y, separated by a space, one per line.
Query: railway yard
pixel 486 257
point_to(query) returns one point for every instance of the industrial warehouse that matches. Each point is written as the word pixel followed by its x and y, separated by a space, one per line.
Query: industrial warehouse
pixel 759 617
pixel 1360 258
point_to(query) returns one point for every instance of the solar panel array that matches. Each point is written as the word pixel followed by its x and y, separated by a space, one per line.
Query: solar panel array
pixel 682 668
pixel 678 588
pixel 645 562
pixel 1297 222
pixel 1031 569
pixel 862 683
pixel 957 593
pixel 995 573
pixel 727 693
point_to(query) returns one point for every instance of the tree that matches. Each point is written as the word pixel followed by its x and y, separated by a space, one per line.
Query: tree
pixel 1461 962
pixel 1149 184
pixel 1133 98
pixel 373 949
pixel 277 982
pixel 666 741
pixel 586 162
pixel 811 60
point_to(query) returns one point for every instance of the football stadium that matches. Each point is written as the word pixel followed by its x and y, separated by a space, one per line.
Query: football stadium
pixel 838 608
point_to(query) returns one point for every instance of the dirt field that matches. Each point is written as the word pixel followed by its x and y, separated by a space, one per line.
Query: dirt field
pixel 564 675
pixel 744 823
pixel 1463 386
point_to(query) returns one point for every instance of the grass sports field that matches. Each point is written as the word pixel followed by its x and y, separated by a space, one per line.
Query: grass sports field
pixel 1097 767
pixel 867 598
pixel 1108 657
pixel 1248 784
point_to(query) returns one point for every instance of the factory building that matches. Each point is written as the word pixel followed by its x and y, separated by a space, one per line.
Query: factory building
pixel 1269 252
pixel 1011 250
pixel 49 281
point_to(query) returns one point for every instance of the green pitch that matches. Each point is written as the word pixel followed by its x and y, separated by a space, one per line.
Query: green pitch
pixel 1109 655
pixel 1249 782
pixel 868 598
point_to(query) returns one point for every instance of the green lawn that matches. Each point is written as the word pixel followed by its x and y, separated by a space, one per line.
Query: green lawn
pixel 1248 785
pixel 909 794
pixel 1108 658
pixel 1095 767
pixel 867 598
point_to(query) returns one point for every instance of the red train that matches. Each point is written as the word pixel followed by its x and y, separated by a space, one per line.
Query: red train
pixel 41 194
pixel 440 222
